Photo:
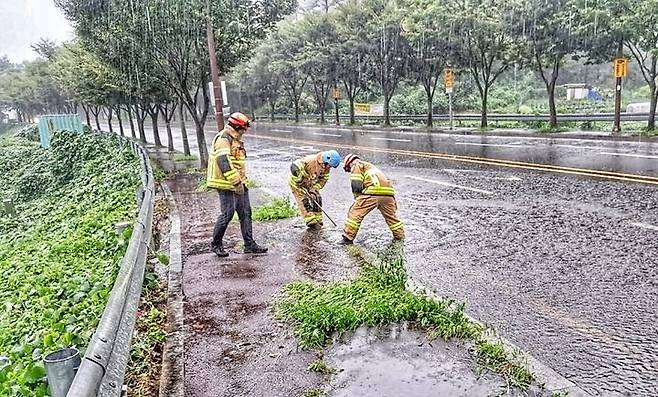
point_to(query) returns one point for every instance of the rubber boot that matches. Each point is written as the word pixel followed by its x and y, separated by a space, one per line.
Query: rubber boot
pixel 255 249
pixel 219 251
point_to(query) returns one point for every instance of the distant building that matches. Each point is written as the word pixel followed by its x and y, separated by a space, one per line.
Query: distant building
pixel 581 91
pixel 576 91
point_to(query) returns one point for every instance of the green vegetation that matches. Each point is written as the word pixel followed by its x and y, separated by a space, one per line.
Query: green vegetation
pixel 252 183
pixel 142 374
pixel 277 209
pixel 494 357
pixel 317 392
pixel 184 157
pixel 59 256
pixel 378 296
pixel 321 367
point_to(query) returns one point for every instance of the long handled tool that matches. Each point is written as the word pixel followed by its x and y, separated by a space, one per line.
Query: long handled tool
pixel 323 211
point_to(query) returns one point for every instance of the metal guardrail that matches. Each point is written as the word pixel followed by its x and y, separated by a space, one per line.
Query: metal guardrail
pixel 575 117
pixel 103 367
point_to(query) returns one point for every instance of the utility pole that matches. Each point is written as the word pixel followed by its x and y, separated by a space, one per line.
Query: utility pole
pixel 214 72
pixel 620 72
pixel 336 98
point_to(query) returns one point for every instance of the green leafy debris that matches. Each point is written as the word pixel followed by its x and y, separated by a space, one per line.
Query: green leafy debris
pixel 60 255
pixel 275 210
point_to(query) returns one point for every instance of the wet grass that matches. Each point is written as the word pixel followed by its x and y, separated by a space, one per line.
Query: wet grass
pixel 494 357
pixel 378 296
pixel 279 208
pixel 143 372
pixel 184 157
pixel 321 367
pixel 314 393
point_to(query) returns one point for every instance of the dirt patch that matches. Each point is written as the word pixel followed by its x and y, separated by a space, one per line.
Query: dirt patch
pixel 234 344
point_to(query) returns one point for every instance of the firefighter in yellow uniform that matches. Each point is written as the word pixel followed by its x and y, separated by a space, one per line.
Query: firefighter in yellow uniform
pixel 308 176
pixel 227 174
pixel 371 189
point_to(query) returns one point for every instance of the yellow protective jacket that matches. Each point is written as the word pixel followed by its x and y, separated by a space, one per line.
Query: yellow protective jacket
pixel 308 173
pixel 369 180
pixel 227 161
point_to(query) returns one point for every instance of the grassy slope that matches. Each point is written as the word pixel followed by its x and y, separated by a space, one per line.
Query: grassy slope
pixel 60 255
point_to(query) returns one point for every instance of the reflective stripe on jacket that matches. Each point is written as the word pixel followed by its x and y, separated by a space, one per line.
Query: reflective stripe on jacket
pixel 227 143
pixel 312 174
pixel 373 181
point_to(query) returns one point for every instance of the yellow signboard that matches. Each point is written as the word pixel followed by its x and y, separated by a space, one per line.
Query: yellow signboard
pixel 621 67
pixel 361 107
pixel 448 78
pixel 336 93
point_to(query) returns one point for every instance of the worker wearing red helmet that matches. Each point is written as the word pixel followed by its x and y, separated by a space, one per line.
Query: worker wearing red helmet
pixel 371 189
pixel 227 174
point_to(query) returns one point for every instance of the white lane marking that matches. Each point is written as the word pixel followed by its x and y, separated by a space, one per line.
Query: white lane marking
pixel 390 139
pixel 629 155
pixel 265 151
pixel 504 178
pixel 645 226
pixel 286 131
pixel 305 148
pixel 448 184
pixel 323 134
pixel 512 145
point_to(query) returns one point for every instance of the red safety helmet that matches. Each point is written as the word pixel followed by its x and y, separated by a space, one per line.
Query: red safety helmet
pixel 238 120
pixel 349 159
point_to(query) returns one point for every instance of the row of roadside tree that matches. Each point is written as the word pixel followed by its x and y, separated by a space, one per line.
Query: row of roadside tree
pixel 373 45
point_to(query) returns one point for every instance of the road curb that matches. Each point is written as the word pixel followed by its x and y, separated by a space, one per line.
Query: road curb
pixel 173 355
pixel 545 376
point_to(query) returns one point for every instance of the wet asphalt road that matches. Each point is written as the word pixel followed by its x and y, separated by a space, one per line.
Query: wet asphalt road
pixel 564 266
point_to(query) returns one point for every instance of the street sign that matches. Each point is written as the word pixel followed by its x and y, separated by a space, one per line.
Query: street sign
pixel 362 108
pixel 448 78
pixel 337 93
pixel 621 67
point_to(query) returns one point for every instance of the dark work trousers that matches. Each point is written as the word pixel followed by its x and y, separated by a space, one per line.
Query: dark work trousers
pixel 231 203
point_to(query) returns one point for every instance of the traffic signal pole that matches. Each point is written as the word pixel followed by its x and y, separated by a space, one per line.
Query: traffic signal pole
pixel 619 74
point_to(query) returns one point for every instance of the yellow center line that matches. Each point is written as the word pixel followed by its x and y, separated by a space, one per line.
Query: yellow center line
pixel 479 160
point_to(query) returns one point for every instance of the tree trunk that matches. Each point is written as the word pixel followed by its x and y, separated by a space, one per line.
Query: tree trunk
pixel 183 130
pixel 203 150
pixel 141 118
pixel 430 100
pixel 86 110
pixel 322 112
pixel 156 131
pixel 98 124
pixel 132 123
pixel 296 100
pixel 651 124
pixel 120 123
pixel 110 112
pixel 551 105
pixel 352 118
pixel 483 117
pixel 170 137
pixel 387 115
pixel 272 108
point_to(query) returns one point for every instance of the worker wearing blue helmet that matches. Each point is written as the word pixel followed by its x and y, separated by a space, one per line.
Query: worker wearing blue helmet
pixel 308 176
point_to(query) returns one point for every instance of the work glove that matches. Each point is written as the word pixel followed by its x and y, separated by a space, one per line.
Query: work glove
pixel 239 189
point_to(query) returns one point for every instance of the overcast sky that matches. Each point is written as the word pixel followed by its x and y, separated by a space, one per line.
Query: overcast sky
pixel 23 22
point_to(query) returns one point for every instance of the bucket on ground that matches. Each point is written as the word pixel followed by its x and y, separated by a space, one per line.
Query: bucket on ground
pixel 61 367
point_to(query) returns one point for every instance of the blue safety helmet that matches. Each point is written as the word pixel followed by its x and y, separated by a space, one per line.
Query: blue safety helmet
pixel 331 158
